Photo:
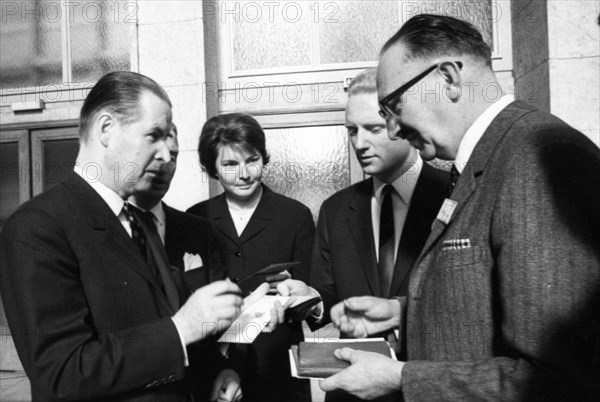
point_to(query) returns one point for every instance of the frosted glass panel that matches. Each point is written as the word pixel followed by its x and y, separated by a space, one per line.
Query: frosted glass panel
pixel 59 159
pixel 308 163
pixel 270 40
pixel 355 31
pixel 101 37
pixel 30 49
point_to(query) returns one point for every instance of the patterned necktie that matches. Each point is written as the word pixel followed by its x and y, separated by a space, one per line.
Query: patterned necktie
pixel 386 240
pixel 454 175
pixel 137 234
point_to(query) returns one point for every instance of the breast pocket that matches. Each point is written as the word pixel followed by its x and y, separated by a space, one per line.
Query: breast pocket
pixel 454 257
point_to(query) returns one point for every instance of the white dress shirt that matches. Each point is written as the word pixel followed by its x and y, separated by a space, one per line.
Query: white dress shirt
pixel 476 130
pixel 404 187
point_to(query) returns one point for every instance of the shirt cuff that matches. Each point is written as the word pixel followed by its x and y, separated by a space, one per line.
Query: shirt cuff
pixel 186 361
pixel 318 317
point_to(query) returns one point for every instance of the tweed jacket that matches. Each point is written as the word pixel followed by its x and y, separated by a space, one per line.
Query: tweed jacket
pixel 504 301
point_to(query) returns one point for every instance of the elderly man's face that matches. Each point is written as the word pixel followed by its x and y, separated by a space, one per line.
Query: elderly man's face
pixel 141 150
pixel 419 111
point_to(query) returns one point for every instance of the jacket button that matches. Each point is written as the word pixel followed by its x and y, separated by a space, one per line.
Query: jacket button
pixel 238 253
pixel 171 378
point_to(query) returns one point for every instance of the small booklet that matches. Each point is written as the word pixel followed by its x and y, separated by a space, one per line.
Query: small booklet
pixel 316 359
pixel 254 318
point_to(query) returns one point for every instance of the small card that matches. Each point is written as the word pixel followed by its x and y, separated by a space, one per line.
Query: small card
pixel 446 211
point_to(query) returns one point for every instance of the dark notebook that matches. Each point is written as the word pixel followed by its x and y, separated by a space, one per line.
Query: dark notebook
pixel 316 359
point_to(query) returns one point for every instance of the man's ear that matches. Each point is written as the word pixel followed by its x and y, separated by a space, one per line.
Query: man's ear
pixel 452 76
pixel 107 123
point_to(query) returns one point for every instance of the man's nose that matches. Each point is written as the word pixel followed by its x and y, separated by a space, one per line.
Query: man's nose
pixel 361 139
pixel 163 153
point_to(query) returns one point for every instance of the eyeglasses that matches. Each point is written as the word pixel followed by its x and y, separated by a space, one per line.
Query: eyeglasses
pixel 389 104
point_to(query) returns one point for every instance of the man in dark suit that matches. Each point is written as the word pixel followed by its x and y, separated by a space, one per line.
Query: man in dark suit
pixel 87 293
pixel 503 301
pixel 349 257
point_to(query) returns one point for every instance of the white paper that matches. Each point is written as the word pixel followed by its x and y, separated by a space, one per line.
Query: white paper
pixel 254 318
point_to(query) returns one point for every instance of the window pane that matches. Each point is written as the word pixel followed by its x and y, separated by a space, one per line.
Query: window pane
pixel 353 31
pixel 308 163
pixel 59 160
pixel 264 39
pixel 101 37
pixel 30 49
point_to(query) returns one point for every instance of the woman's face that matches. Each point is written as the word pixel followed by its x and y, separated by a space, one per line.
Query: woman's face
pixel 239 172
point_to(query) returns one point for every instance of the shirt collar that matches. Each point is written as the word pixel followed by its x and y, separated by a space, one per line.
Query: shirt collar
pixel 404 185
pixel 157 210
pixel 114 201
pixel 477 129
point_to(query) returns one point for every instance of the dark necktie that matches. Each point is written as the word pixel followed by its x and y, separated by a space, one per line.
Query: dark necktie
pixel 453 179
pixel 159 261
pixel 137 234
pixel 386 240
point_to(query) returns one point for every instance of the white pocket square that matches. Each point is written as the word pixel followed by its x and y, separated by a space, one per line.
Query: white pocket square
pixel 456 244
pixel 191 261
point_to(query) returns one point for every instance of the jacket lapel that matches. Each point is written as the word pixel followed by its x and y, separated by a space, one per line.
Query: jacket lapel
pixel 469 178
pixel 416 227
pixel 111 232
pixel 361 227
pixel 222 219
pixel 261 217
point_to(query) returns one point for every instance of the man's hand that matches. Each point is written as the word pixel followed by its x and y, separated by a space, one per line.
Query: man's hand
pixel 227 387
pixel 369 376
pixel 293 287
pixel 362 316
pixel 256 295
pixel 208 310
pixel 275 280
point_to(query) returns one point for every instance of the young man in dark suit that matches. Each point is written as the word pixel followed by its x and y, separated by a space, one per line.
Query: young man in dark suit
pixel 88 298
pixel 503 302
pixel 351 256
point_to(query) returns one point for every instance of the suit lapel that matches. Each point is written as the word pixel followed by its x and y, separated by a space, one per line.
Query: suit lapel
pixel 469 179
pixel 111 232
pixel 361 227
pixel 416 227
pixel 261 217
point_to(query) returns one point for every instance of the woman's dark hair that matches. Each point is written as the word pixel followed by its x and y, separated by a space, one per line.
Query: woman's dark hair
pixel 236 129
pixel 428 35
pixel 118 92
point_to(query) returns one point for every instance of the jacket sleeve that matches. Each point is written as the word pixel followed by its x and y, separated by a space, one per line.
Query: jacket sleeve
pixel 63 350
pixel 303 241
pixel 321 276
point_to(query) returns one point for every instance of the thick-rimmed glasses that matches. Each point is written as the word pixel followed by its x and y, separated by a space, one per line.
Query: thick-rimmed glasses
pixel 391 103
